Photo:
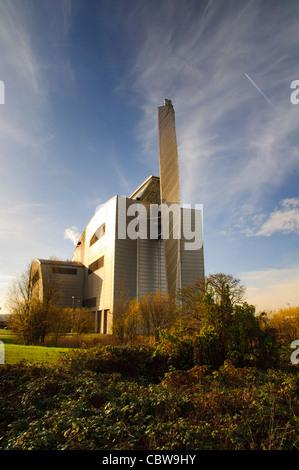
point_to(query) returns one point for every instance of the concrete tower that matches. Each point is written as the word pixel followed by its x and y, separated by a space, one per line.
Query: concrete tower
pixel 169 190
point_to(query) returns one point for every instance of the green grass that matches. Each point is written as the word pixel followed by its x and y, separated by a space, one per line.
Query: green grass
pixel 15 352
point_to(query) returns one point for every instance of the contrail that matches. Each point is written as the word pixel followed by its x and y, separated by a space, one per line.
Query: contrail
pixel 258 89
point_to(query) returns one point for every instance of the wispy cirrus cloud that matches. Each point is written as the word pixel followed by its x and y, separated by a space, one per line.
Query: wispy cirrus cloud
pixel 284 220
pixel 31 66
pixel 230 139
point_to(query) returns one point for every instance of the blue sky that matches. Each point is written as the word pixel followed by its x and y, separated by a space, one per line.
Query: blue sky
pixel 83 81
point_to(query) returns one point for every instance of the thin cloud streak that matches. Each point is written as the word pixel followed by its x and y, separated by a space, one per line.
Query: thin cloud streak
pixel 261 92
pixel 28 71
pixel 230 145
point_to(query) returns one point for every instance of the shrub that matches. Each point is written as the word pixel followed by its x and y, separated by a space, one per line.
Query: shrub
pixel 176 347
pixel 63 408
pixel 138 362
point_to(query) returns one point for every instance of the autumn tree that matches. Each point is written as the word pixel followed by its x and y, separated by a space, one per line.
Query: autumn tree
pixel 31 317
pixel 286 323
pixel 198 300
pixel 223 324
pixel 83 321
pixel 225 288
pixel 132 321
pixel 120 311
pixel 157 312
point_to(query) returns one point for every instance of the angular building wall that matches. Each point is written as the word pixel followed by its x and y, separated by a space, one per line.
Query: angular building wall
pixel 61 281
pixel 96 251
pixel 108 255
pixel 125 260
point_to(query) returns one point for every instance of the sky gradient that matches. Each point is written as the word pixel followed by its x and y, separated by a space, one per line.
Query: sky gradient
pixel 83 81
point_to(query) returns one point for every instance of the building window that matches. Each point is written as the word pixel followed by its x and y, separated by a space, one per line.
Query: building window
pixel 99 263
pixel 89 303
pixel 58 270
pixel 97 235
pixel 105 322
pixel 98 321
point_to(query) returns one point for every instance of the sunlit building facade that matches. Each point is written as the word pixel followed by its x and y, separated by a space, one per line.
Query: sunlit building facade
pixel 124 243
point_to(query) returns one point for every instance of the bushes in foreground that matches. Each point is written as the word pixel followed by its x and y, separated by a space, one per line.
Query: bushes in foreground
pixel 81 404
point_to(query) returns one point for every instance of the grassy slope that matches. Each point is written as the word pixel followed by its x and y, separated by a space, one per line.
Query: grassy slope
pixel 15 352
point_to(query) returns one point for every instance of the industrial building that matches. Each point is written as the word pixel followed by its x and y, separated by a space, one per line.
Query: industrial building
pixel 126 241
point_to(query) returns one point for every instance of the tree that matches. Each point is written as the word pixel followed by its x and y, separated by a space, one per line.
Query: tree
pixel 60 321
pixel 224 326
pixel 20 293
pixel 132 321
pixel 32 318
pixel 286 323
pixel 198 301
pixel 27 321
pixel 191 298
pixel 225 288
pixel 157 311
pixel 120 311
pixel 83 321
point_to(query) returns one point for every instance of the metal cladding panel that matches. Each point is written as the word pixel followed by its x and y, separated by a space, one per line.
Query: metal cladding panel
pixel 100 283
pixel 192 260
pixel 125 251
pixel 151 275
pixel 169 188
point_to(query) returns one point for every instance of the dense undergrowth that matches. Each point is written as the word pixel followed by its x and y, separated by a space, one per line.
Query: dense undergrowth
pixel 136 398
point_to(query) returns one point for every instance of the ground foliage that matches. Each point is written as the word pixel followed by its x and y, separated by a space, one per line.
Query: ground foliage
pixel 144 398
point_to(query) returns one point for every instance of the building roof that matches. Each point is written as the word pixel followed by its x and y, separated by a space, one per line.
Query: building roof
pixel 148 191
pixel 60 262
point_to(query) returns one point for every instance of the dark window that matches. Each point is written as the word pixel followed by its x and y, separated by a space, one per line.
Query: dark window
pixel 57 270
pixel 98 321
pixel 97 235
pixel 105 322
pixel 89 303
pixel 99 263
